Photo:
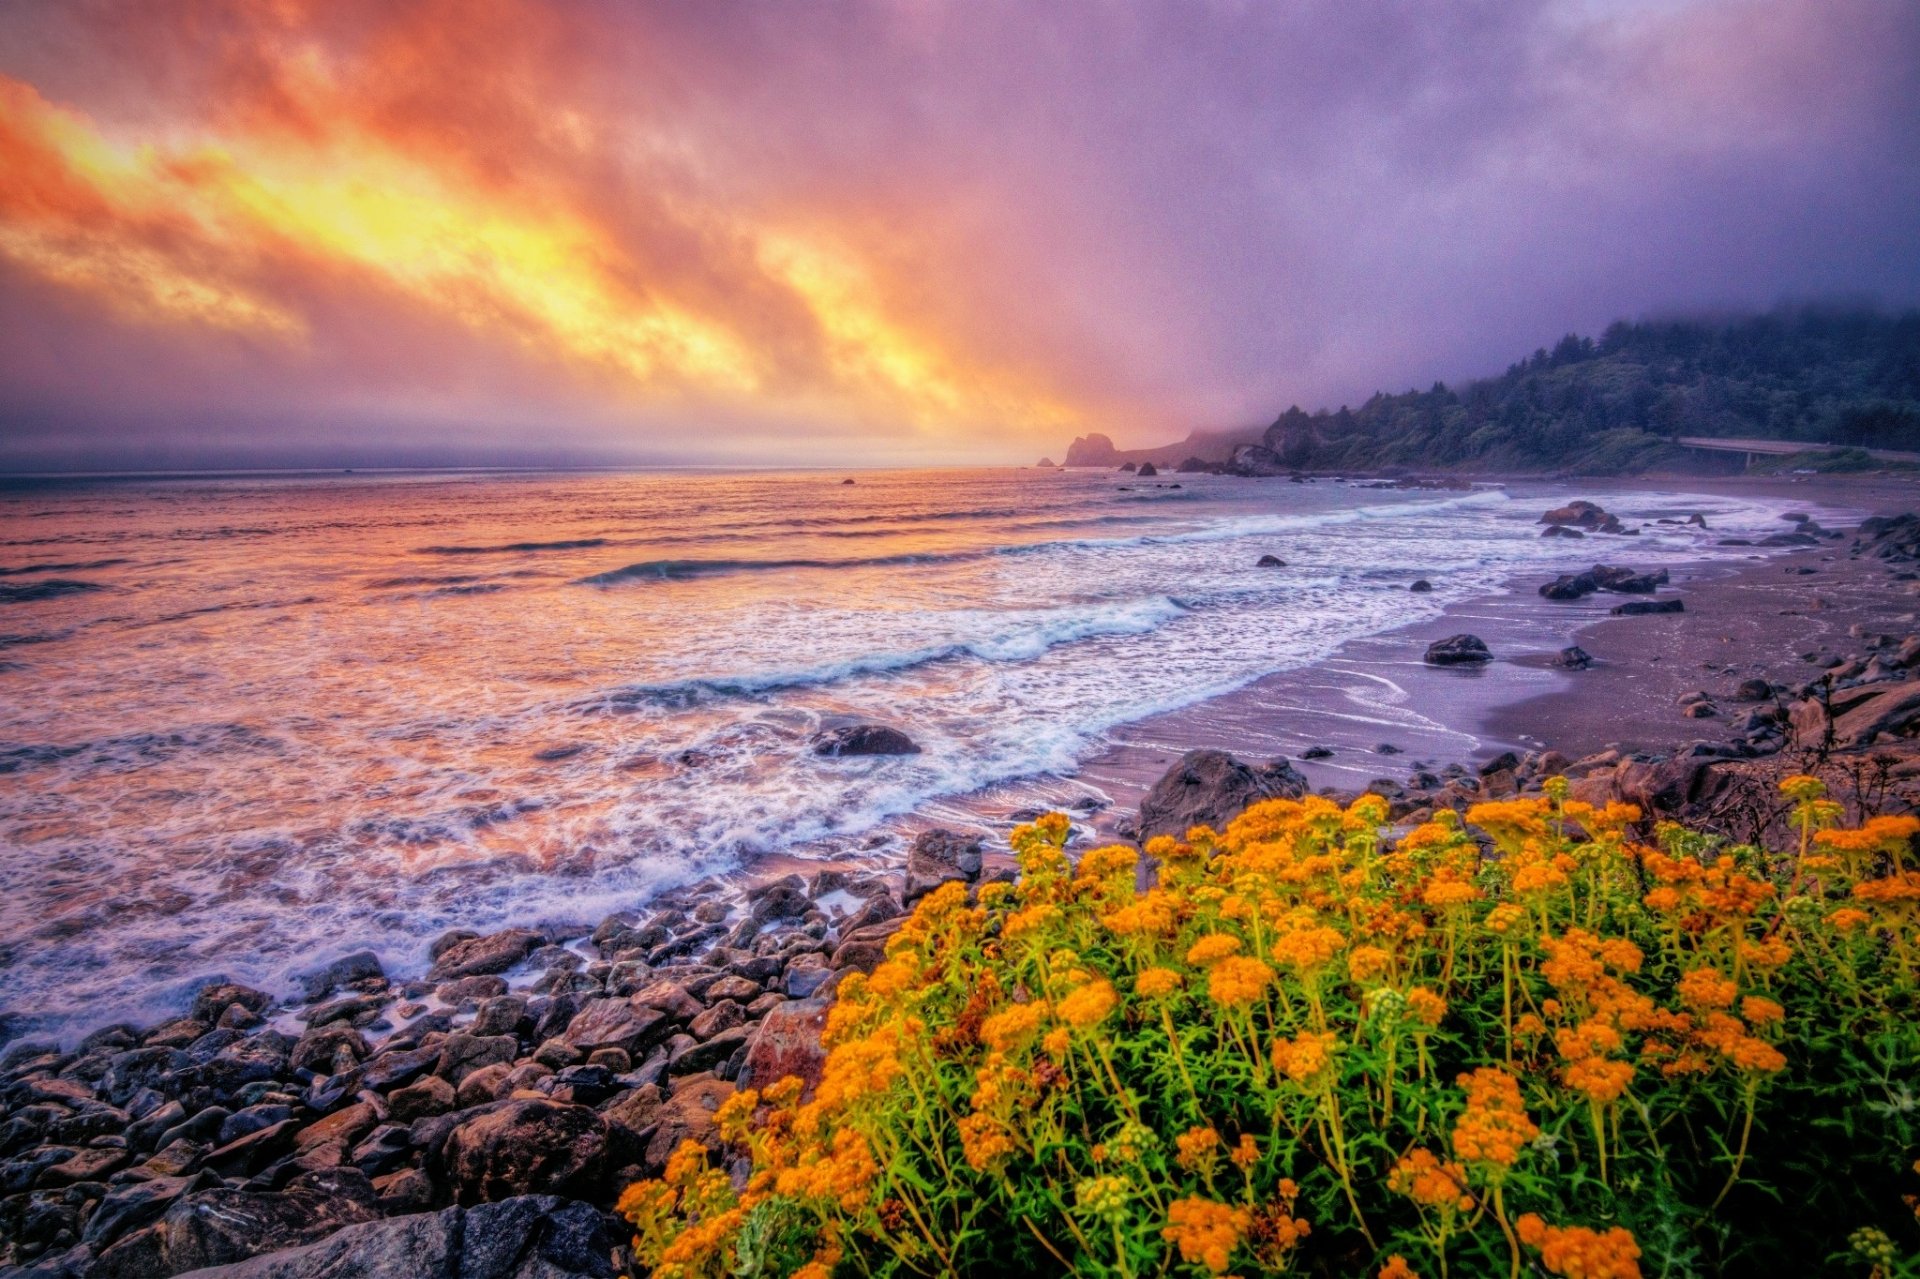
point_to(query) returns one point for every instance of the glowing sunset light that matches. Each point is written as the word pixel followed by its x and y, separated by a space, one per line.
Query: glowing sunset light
pixel 876 231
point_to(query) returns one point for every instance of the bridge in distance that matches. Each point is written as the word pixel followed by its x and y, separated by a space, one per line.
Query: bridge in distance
pixel 1781 448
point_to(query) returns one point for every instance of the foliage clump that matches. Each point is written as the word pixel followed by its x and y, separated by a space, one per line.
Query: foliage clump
pixel 1525 1043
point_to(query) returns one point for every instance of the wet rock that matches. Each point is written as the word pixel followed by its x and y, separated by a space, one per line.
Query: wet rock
pixel 723 1016
pixel 1505 761
pixel 1458 650
pixel 525 1147
pixel 430 1096
pixel 1585 515
pixel 499 1016
pixel 135 1204
pixel 82 1165
pixel 471 990
pixel 355 1010
pixel 1753 690
pixel 398 1067
pixel 1317 752
pixel 1636 608
pixel 630 1025
pixel 220 1227
pixel 1894 711
pixel 252 1119
pixel 1573 658
pixel 494 953
pixel 788 1042
pixel 1270 561
pixel 784 898
pixel 489 1083
pixel 686 1115
pixel 702 1055
pixel 528 1237
pixel 461 1055
pixel 210 1003
pixel 360 966
pixel 1420 586
pixel 1570 586
pixel 344 1126
pixel 1211 788
pixel 864 739
pixel 323 1050
pixel 1560 530
pixel 938 857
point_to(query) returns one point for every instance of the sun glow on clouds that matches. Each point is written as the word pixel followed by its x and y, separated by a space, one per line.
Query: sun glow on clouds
pixel 200 230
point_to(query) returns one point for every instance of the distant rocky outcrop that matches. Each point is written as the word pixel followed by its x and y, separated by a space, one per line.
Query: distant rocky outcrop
pixel 1045 464
pixel 1209 448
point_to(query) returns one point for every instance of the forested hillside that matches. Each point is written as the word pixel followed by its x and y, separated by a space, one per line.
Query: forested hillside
pixel 1613 405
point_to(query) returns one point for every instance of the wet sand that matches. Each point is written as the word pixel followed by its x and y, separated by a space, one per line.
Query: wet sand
pixel 1744 619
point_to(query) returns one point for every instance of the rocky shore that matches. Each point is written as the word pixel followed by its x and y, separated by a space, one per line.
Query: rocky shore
pixel 481 1119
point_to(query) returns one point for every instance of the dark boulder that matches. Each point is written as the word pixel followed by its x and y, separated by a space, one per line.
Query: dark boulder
pixel 360 966
pixel 523 1147
pixel 1148 470
pixel 788 1042
pixel 1270 561
pixel 1560 530
pixel 493 953
pixel 1585 515
pixel 1637 608
pixel 220 1227
pixel 526 1237
pixel 938 857
pixel 1458 650
pixel 1573 658
pixel 1625 581
pixel 1420 586
pixel 864 739
pixel 1211 788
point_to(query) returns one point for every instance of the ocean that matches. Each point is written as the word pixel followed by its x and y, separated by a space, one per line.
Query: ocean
pixel 251 723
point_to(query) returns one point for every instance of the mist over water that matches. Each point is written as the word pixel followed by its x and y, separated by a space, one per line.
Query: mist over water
pixel 250 724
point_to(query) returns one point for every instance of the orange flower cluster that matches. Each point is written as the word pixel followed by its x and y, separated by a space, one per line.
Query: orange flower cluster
pixel 1423 1178
pixel 1580 1253
pixel 1494 1128
pixel 1206 1232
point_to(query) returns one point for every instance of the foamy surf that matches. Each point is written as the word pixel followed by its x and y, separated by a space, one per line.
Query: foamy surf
pixel 247 763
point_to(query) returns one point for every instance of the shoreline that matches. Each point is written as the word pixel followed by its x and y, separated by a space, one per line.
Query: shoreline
pixel 508 1092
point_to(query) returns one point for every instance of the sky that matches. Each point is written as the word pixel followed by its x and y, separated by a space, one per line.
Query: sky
pixel 742 232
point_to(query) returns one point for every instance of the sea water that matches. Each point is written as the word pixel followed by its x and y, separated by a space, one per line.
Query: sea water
pixel 250 723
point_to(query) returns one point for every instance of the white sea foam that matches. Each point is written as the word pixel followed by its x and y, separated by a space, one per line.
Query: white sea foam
pixel 245 764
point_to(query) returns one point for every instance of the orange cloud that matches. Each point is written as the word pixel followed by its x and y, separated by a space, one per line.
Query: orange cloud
pixel 345 159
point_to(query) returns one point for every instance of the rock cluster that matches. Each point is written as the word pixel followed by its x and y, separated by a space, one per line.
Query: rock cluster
pixel 495 1107
pixel 1604 577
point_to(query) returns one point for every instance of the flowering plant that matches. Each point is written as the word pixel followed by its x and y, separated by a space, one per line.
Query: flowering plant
pixel 1522 1042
